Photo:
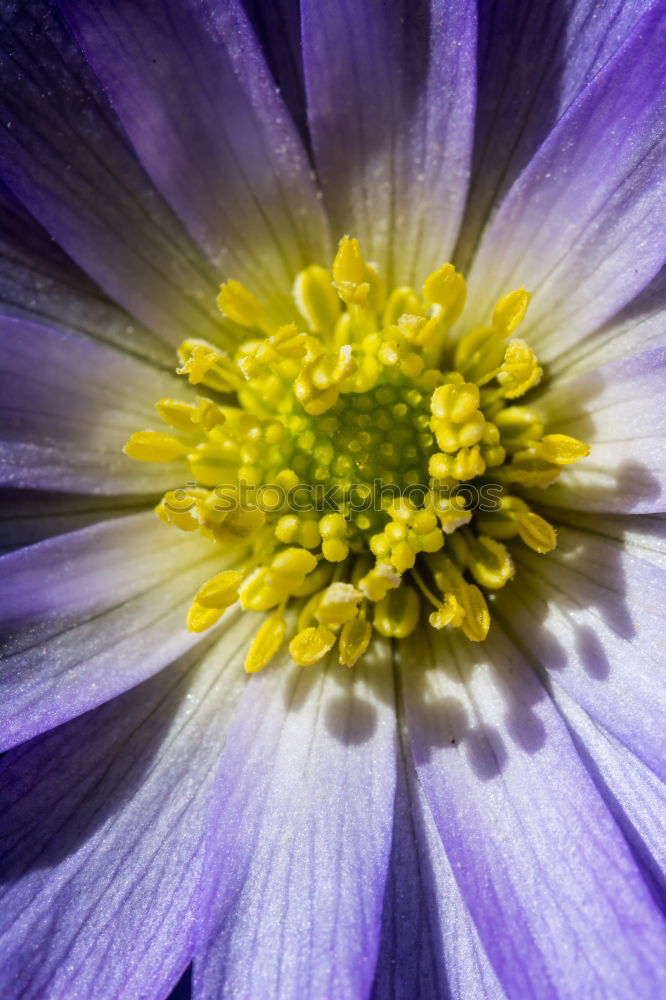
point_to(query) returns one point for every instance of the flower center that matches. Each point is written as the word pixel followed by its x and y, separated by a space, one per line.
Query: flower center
pixel 359 463
pixel 367 446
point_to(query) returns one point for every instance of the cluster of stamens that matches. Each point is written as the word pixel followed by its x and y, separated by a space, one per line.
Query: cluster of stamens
pixel 360 465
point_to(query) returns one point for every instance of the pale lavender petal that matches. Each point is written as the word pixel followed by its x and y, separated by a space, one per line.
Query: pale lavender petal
pixel 591 614
pixel 637 328
pixel 641 535
pixel 68 405
pixel 87 615
pixel 430 947
pixel 534 60
pixel 192 90
pixel 102 825
pixel 620 411
pixel 583 226
pixel 39 282
pixel 559 903
pixel 390 105
pixel 66 157
pixel 300 837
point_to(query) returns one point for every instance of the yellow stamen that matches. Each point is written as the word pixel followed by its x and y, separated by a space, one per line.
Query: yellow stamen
pixel 487 559
pixel 199 618
pixel 376 584
pixel 349 273
pixel 520 370
pixel 239 304
pixel 456 418
pixel 270 636
pixel 333 529
pixel 450 612
pixel 338 604
pixel 179 508
pixel 446 288
pixel 397 614
pixel 220 591
pixel 153 446
pixel 479 353
pixel 476 621
pixel 319 383
pixel 510 311
pixel 272 584
pixel 204 364
pixel 562 449
pixel 536 532
pixel 346 463
pixel 311 645
pixel 316 299
pixel 354 640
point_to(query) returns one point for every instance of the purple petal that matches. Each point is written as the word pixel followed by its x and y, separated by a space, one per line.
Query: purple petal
pixel 300 837
pixel 634 795
pixel 39 282
pixel 88 615
pixel 591 615
pixel 390 105
pixel 534 60
pixel 68 405
pixel 103 824
pixel 620 411
pixel 583 226
pixel 558 900
pixel 65 156
pixel 430 947
pixel 410 961
pixel 191 88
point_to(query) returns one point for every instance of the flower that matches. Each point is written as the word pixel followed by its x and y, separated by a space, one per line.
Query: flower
pixel 466 807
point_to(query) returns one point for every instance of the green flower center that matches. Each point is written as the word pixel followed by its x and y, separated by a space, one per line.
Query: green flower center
pixel 367 448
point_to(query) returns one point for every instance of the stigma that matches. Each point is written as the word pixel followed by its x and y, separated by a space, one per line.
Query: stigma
pixel 361 466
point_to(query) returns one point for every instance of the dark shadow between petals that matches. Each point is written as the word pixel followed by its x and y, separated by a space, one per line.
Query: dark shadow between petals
pixel 59 788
